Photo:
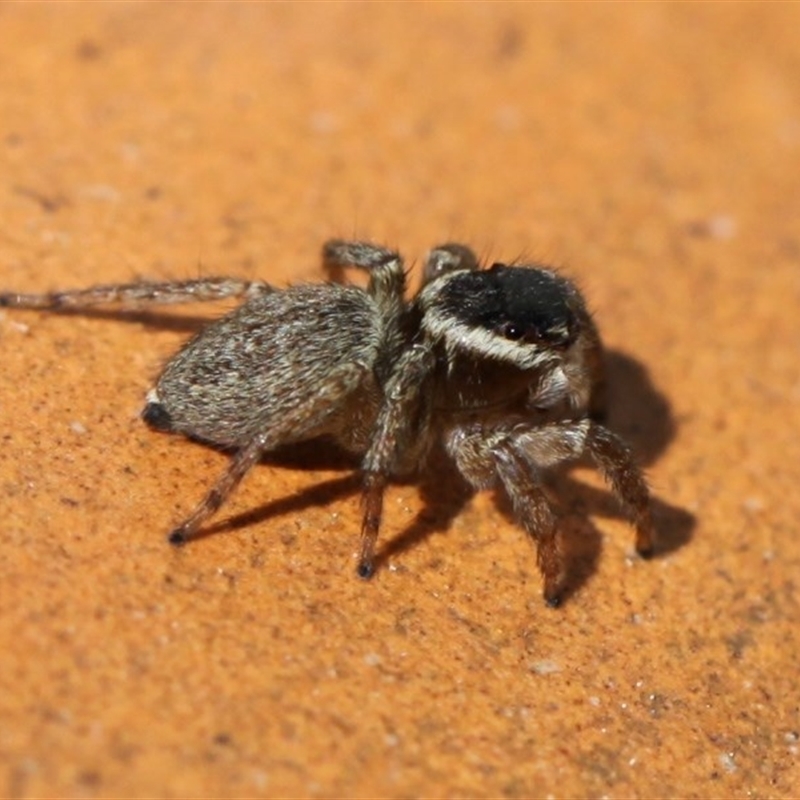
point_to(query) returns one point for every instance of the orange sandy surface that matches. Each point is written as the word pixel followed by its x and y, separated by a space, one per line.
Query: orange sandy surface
pixel 652 151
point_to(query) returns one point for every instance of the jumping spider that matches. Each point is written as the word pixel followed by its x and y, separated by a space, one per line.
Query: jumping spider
pixel 502 366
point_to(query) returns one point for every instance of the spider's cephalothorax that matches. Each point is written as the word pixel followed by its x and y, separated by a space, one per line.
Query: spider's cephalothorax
pixel 502 366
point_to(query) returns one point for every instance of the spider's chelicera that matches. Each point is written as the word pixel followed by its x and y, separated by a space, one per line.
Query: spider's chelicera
pixel 502 366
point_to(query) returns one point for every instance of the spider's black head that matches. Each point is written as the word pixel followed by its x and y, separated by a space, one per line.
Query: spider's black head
pixel 517 314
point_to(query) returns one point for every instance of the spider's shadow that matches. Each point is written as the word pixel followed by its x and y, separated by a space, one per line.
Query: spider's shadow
pixel 160 320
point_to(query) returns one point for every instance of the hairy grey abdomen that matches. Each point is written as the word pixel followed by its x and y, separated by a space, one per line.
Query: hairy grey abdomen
pixel 245 373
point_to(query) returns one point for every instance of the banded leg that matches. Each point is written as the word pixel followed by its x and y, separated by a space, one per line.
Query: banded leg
pixel 244 460
pixel 387 280
pixel 558 442
pixel 387 277
pixel 484 453
pixel 613 458
pixel 518 451
pixel 534 513
pixel 137 294
pixel 398 441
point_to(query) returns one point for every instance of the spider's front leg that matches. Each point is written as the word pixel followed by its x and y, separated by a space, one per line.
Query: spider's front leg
pixel 517 452
pixel 547 445
pixel 614 459
pixel 484 454
pixel 399 441
pixel 533 510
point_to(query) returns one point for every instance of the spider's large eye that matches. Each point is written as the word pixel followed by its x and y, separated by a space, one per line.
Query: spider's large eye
pixel 510 330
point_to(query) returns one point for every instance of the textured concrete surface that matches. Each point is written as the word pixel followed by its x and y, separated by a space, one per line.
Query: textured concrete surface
pixel 652 151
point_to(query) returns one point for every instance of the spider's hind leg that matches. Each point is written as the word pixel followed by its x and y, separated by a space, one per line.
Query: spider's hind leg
pixel 137 295
pixel 387 278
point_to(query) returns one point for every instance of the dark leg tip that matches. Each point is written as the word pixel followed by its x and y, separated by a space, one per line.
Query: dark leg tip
pixel 646 552
pixel 157 417
pixel 365 570
pixel 177 538
pixel 553 599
